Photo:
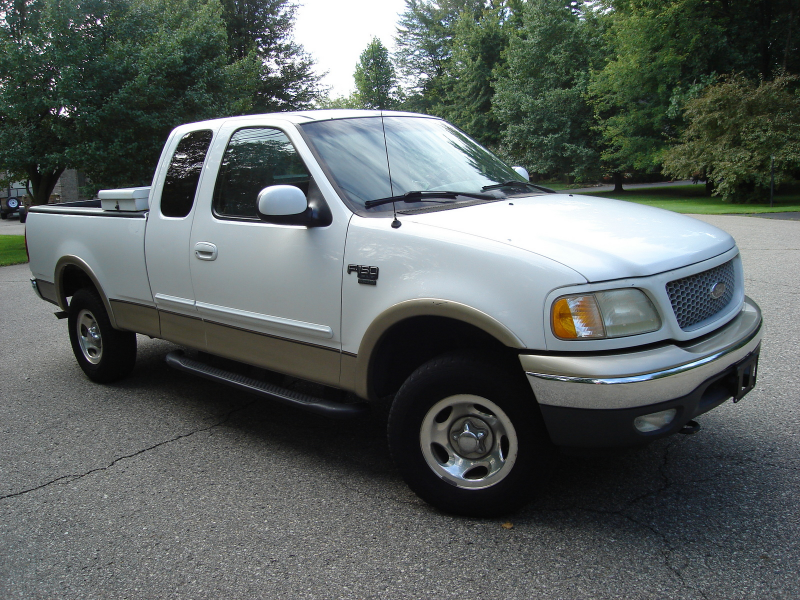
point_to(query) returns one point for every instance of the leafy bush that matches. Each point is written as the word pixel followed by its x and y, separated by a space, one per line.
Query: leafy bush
pixel 734 128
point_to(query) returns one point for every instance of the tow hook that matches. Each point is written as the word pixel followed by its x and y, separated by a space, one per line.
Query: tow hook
pixel 690 428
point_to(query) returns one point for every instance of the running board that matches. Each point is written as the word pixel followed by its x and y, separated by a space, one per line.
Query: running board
pixel 337 410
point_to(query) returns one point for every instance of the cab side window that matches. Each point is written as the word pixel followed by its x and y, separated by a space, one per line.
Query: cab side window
pixel 256 157
pixel 180 185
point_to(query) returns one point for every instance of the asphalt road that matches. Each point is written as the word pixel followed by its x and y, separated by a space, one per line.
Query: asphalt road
pixel 167 486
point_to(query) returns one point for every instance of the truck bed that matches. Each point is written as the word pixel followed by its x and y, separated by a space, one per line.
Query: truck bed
pixel 110 243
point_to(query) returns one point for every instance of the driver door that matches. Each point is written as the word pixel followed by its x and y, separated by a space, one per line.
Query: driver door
pixel 269 295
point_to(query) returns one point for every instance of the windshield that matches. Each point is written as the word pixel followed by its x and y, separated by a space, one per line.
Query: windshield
pixel 418 154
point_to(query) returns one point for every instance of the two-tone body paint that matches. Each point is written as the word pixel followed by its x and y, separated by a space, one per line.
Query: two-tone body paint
pixel 281 297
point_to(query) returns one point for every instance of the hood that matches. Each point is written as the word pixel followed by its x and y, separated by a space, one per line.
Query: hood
pixel 599 238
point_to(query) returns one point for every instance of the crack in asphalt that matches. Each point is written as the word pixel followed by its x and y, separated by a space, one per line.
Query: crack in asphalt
pixel 670 548
pixel 70 478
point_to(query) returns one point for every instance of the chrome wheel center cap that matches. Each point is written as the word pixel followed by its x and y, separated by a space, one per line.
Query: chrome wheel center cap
pixel 471 437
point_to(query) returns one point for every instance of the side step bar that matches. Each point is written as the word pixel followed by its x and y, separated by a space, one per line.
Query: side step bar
pixel 337 410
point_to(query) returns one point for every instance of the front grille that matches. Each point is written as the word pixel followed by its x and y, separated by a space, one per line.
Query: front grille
pixel 691 296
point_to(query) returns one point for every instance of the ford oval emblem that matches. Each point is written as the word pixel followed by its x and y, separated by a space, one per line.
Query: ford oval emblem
pixel 717 290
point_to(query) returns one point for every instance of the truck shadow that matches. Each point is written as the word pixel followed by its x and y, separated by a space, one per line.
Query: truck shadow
pixel 667 489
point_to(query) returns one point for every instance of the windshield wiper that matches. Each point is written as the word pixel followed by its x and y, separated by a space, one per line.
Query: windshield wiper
pixel 517 184
pixel 423 195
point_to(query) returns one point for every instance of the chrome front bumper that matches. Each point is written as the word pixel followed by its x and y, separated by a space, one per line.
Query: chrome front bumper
pixel 641 378
pixel 592 400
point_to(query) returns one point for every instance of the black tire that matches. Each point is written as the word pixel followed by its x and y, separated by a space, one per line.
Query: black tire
pixel 23 214
pixel 476 473
pixel 105 354
pixel 13 204
pixel 3 216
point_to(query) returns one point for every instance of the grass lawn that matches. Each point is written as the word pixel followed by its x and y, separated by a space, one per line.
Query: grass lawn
pixel 562 186
pixel 692 199
pixel 12 250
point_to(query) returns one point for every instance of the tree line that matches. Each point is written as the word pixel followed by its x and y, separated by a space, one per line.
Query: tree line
pixel 582 90
pixel 567 88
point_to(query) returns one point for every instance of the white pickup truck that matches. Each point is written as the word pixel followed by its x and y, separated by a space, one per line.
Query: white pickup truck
pixel 390 256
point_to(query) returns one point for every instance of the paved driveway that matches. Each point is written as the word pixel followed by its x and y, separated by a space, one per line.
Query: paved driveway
pixel 166 486
pixel 11 226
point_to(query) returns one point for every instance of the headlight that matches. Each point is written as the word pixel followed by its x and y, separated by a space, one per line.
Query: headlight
pixel 615 313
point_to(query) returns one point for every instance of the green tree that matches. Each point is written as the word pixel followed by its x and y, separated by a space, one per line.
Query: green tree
pixel 734 129
pixel 663 52
pixel 540 95
pixel 98 84
pixel 166 63
pixel 424 48
pixel 351 101
pixel 375 77
pixel 261 31
pixel 48 56
pixel 477 51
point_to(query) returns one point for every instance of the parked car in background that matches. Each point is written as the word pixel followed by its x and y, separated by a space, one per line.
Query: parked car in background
pixel 11 205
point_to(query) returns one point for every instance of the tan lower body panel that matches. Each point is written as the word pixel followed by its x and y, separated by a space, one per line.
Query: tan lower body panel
pixel 47 290
pixel 313 363
pixel 186 331
pixel 347 380
pixel 136 317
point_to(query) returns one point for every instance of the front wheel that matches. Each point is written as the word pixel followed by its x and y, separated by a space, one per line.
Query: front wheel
pixel 105 354
pixel 468 437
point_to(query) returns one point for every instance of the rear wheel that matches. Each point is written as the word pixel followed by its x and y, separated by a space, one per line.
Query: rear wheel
pixel 468 437
pixel 105 354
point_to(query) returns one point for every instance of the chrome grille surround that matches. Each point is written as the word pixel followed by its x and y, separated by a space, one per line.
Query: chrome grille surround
pixel 691 297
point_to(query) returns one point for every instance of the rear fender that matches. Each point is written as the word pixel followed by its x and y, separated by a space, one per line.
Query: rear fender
pixel 62 268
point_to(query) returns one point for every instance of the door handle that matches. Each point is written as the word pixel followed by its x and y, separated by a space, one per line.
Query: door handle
pixel 205 251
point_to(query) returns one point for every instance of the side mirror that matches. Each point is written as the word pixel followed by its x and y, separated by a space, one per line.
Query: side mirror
pixel 281 201
pixel 522 171
pixel 288 205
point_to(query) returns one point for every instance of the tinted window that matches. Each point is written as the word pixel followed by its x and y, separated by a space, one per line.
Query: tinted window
pixel 415 154
pixel 180 186
pixel 256 157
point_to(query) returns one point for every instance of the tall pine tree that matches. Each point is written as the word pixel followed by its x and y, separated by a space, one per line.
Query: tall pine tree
pixel 375 77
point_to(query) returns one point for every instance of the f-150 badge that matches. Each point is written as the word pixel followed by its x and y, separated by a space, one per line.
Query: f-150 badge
pixel 366 274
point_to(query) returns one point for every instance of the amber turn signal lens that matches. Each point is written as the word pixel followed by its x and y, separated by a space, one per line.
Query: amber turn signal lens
pixel 576 317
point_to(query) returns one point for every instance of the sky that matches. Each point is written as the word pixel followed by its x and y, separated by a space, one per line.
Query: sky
pixel 336 32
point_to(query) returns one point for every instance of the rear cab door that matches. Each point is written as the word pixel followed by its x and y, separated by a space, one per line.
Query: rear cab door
pixel 167 242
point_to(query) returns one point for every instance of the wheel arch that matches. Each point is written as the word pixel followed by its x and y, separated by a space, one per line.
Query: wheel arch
pixel 73 273
pixel 408 334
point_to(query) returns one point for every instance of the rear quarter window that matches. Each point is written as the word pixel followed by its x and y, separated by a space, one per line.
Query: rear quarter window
pixel 183 175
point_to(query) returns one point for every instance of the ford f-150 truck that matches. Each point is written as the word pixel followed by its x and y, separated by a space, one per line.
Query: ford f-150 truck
pixel 390 256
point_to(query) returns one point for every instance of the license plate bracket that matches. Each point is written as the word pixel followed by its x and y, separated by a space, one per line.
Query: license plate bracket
pixel 746 374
